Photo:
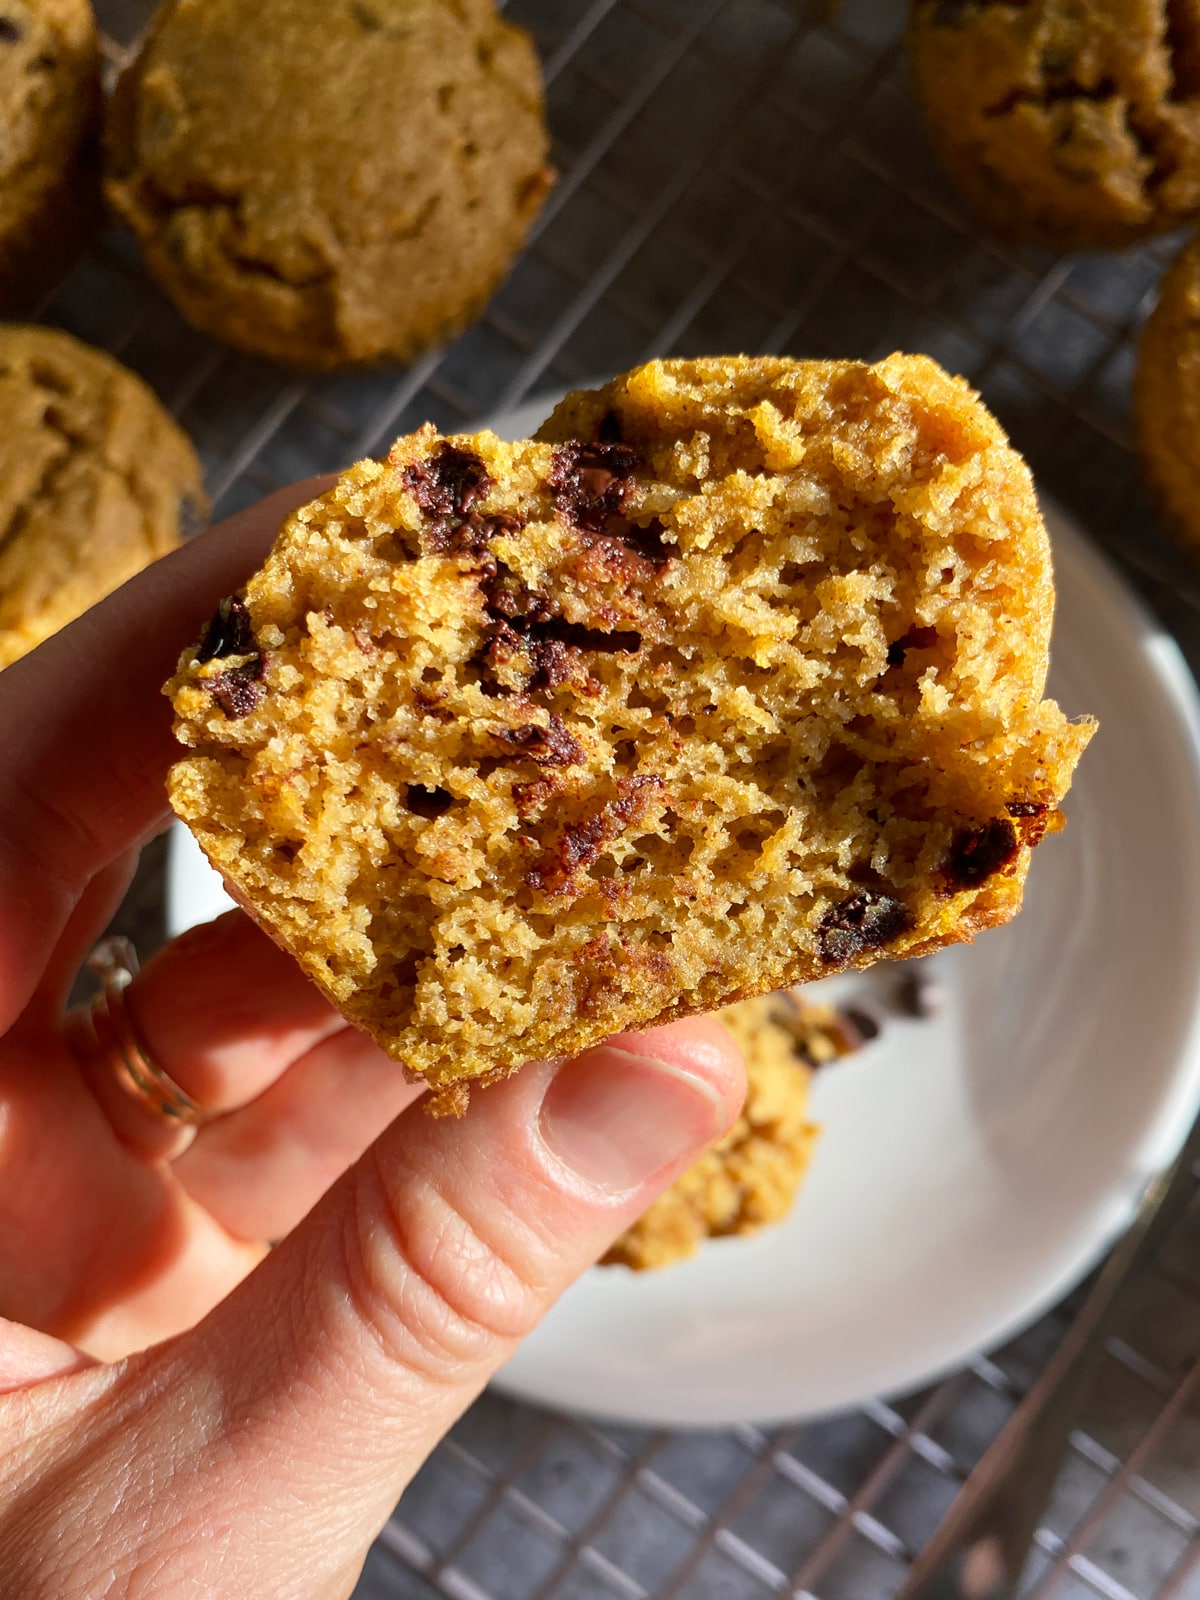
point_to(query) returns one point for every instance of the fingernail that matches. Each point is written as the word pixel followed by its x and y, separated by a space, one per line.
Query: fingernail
pixel 616 1119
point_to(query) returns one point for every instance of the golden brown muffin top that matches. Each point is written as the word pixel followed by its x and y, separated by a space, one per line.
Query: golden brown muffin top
pixel 329 180
pixel 96 481
pixel 1075 122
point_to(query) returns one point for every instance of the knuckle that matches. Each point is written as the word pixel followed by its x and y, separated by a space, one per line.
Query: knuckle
pixel 436 1294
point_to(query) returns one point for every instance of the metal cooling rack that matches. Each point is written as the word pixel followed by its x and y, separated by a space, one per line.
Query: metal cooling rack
pixel 750 175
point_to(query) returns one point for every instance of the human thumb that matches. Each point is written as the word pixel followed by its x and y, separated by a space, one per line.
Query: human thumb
pixel 297 1412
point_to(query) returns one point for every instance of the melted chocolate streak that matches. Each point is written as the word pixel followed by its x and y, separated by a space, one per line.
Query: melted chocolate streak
pixel 240 690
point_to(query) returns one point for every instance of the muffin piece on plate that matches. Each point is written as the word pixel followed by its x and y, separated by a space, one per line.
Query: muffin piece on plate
pixel 731 678
pixel 749 1179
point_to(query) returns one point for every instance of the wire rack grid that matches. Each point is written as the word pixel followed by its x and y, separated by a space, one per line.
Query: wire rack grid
pixel 749 175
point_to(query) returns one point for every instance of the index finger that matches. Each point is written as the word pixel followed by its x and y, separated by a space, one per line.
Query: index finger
pixel 87 734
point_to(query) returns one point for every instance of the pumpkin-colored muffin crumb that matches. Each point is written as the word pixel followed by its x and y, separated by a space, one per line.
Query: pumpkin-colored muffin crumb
pixel 731 678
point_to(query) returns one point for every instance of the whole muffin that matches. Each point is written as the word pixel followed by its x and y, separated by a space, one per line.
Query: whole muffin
pixel 1167 393
pixel 1072 123
pixel 96 482
pixel 731 678
pixel 49 119
pixel 329 181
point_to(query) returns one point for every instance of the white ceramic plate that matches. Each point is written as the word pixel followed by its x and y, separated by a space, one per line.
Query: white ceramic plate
pixel 973 1167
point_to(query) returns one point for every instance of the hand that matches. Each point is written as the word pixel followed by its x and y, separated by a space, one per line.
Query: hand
pixel 183 1413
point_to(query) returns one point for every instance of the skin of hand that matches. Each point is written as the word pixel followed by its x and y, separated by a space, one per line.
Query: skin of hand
pixel 183 1412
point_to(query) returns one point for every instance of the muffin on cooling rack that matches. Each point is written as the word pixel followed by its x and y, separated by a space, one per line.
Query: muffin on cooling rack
pixel 731 678
pixel 1073 123
pixel 1167 394
pixel 96 482
pixel 329 181
pixel 49 122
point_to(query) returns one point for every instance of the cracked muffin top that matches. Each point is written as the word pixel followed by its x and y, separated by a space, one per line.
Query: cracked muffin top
pixel 96 481
pixel 731 678
pixel 1073 123
pixel 49 119
pixel 329 181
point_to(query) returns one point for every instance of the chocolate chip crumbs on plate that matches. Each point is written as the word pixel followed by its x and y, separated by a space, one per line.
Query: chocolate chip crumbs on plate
pixel 919 991
pixel 823 1033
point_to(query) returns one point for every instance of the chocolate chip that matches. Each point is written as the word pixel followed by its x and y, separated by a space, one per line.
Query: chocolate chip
pixel 863 921
pixel 229 633
pixel 530 797
pixel 525 623
pixel 867 1025
pixel 628 551
pixel 592 482
pixel 553 648
pixel 553 746
pixel 581 842
pixel 1033 820
pixel 450 482
pixel 469 535
pixel 240 690
pixel 919 992
pixel 609 431
pixel 977 854
pixel 428 803
pixel 10 31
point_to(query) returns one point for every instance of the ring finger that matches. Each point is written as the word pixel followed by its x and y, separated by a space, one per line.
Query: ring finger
pixel 289 1094
pixel 219 1014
